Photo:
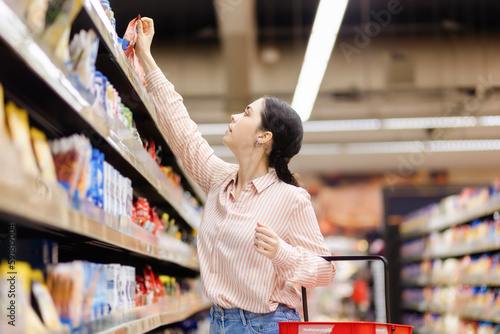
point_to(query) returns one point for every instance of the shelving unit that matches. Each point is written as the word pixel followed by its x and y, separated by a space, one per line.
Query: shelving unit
pixel 446 303
pixel 146 318
pixel 33 81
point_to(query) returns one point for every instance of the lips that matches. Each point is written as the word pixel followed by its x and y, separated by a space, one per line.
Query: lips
pixel 229 128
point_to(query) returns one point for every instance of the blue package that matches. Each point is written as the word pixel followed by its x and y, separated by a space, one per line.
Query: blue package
pixel 99 199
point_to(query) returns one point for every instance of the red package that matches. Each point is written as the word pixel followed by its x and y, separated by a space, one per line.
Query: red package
pixel 157 224
pixel 131 37
pixel 142 211
pixel 140 291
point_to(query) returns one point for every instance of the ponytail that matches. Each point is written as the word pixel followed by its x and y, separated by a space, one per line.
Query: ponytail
pixel 286 126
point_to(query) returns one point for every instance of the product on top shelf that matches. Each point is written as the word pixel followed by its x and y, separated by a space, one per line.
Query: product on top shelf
pixel 128 45
pixel 18 123
pixel 32 12
pixel 81 67
pixel 55 37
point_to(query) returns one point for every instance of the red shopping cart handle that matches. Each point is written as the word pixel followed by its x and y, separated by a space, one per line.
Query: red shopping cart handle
pixel 357 258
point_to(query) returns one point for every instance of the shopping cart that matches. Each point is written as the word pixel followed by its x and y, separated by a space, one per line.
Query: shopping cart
pixel 309 327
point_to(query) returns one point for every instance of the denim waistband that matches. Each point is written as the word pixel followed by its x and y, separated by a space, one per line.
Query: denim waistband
pixel 237 313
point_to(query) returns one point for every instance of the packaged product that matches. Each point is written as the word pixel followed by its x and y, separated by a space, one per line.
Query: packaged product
pixel 112 273
pixel 36 11
pixel 3 127
pixel 55 38
pixel 128 45
pixel 81 67
pixel 66 284
pixel 43 155
pixel 44 305
pixel 71 159
pixel 18 123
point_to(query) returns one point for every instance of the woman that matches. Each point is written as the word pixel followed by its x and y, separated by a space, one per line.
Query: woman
pixel 259 234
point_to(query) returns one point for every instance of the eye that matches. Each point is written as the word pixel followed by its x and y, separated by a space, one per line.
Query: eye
pixel 245 113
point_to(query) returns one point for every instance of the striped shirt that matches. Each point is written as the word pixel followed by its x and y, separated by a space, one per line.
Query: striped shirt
pixel 233 274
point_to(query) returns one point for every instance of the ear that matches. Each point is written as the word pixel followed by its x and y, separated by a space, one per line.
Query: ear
pixel 265 137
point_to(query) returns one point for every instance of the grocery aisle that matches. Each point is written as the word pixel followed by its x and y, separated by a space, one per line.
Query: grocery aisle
pixel 99 220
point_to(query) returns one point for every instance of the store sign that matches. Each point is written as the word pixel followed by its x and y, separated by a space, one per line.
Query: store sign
pixel 316 328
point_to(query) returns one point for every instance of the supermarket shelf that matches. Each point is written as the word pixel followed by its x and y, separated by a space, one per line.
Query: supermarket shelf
pixel 23 201
pixel 472 281
pixel 18 41
pixel 126 80
pixel 146 322
pixel 457 251
pixel 470 313
pixel 458 218
pixel 425 330
pixel 146 318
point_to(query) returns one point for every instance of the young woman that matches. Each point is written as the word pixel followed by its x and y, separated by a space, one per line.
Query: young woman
pixel 259 233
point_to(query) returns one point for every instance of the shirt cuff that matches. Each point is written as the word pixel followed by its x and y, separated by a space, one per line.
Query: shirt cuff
pixel 154 78
pixel 283 254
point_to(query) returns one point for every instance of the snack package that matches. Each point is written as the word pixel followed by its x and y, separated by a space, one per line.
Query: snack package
pixel 17 120
pixel 128 45
pixel 36 11
pixel 71 158
pixel 43 155
pixel 4 134
pixel 45 306
pixel 55 38
pixel 81 67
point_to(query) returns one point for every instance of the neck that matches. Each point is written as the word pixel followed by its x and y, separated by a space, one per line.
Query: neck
pixel 251 167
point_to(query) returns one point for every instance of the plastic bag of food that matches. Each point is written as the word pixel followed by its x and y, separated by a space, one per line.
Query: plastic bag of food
pixel 128 44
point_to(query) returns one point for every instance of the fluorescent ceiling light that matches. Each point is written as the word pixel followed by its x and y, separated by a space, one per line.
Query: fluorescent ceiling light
pixel 489 120
pixel 429 122
pixel 319 48
pixel 388 147
pixel 343 125
pixel 378 124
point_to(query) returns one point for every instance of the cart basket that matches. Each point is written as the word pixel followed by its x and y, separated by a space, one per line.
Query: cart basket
pixel 344 327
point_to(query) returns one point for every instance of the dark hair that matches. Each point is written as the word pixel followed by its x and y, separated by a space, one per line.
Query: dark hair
pixel 286 126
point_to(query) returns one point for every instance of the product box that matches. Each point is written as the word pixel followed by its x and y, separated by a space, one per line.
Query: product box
pixel 112 273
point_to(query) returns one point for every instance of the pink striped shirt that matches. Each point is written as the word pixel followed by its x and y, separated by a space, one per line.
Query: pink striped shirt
pixel 233 274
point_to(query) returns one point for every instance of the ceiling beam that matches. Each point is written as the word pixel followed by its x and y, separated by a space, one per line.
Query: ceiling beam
pixel 237 32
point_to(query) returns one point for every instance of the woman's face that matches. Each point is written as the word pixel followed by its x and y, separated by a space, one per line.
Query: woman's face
pixel 244 128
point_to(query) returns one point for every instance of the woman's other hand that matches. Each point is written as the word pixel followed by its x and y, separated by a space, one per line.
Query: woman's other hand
pixel 146 31
pixel 266 241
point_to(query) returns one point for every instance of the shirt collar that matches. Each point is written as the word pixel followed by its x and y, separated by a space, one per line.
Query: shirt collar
pixel 263 182
pixel 260 183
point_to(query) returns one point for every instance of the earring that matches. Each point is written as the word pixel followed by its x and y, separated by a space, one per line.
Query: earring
pixel 256 143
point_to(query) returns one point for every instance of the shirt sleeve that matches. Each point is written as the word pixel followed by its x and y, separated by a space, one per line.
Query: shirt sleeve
pixel 298 256
pixel 183 136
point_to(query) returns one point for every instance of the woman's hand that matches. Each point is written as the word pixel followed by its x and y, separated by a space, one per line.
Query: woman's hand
pixel 266 241
pixel 146 31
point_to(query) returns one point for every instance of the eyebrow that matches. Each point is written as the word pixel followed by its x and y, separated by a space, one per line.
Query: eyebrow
pixel 249 108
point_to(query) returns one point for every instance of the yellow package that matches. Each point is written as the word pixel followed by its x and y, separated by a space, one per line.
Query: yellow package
pixel 3 127
pixel 43 155
pixel 18 123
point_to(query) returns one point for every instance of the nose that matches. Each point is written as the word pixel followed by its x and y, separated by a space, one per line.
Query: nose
pixel 233 118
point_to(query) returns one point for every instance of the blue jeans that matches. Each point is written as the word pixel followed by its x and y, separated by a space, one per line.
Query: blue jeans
pixel 238 321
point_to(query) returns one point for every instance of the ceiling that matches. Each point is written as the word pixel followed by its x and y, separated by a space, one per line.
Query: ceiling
pixel 193 25
pixel 193 21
